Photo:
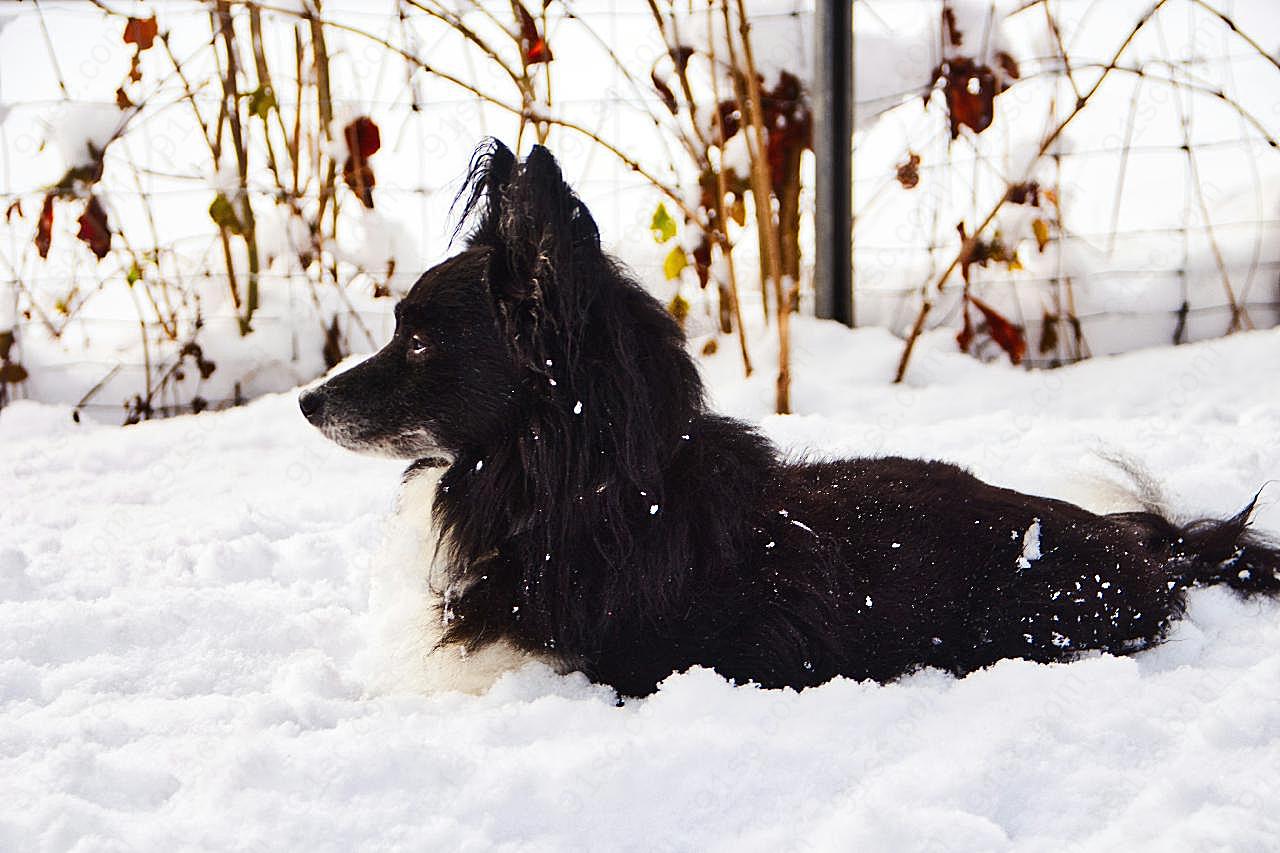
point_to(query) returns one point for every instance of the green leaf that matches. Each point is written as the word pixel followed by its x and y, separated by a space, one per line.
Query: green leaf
pixel 663 226
pixel 134 275
pixel 674 263
pixel 261 102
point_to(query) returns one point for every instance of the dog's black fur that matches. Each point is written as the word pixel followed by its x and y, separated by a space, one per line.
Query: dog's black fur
pixel 593 508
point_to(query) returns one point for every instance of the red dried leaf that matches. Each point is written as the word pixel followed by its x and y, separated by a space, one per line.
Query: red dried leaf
pixel 94 231
pixel 533 47
pixel 538 52
pixel 14 207
pixel 1009 336
pixel 363 138
pixel 122 99
pixel 44 227
pixel 141 32
pixel 788 126
pixel 363 141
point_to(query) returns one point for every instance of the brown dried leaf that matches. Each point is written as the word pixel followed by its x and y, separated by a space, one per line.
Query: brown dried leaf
pixel 664 92
pixel 193 351
pixel 730 118
pixel 950 30
pixel 680 56
pixel 1009 66
pixel 1048 333
pixel 360 178
pixel 985 252
pixel 11 373
pixel 909 172
pixel 1027 192
pixel 141 32
pixel 702 261
pixel 970 90
pixel 678 307
pixel 964 338
pixel 44 227
pixel 332 350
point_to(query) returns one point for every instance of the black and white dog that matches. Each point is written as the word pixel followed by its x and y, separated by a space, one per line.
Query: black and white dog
pixel 580 505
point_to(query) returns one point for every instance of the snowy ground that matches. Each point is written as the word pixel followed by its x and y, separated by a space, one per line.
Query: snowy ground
pixel 183 608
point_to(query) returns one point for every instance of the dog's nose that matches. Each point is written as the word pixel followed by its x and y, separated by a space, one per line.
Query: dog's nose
pixel 312 404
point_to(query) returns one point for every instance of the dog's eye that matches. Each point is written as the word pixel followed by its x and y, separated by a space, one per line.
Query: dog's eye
pixel 418 345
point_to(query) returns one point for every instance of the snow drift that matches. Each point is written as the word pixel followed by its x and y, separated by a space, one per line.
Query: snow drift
pixel 184 621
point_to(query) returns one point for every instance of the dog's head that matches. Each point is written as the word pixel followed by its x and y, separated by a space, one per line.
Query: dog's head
pixel 464 346
pixel 444 378
pixel 531 332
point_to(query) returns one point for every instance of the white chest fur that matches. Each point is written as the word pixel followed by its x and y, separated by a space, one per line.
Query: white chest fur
pixel 405 610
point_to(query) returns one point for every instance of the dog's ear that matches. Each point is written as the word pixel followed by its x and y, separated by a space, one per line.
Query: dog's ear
pixel 490 172
pixel 546 236
pixel 547 246
pixel 542 209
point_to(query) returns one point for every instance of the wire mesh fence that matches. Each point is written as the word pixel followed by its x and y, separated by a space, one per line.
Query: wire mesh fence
pixel 250 229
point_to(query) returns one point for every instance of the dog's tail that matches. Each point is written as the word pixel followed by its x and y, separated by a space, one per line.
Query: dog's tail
pixel 1209 552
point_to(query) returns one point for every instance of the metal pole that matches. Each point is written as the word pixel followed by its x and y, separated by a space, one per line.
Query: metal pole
pixel 832 143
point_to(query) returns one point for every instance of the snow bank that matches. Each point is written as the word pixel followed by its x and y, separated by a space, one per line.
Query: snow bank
pixel 183 605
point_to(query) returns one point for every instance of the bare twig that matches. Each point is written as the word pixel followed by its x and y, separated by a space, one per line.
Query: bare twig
pixel 762 190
